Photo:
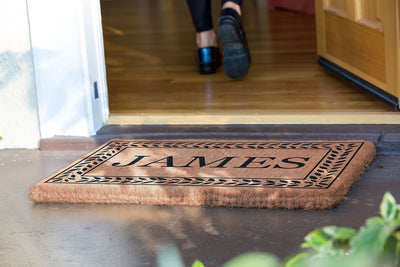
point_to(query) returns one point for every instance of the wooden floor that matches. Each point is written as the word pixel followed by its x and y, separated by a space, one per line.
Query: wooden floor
pixel 152 76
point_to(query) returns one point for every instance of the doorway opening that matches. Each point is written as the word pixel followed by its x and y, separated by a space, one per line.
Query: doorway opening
pixel 153 78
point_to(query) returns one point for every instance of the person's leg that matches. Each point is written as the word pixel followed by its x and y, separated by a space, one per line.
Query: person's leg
pixel 207 54
pixel 233 39
pixel 234 4
pixel 200 11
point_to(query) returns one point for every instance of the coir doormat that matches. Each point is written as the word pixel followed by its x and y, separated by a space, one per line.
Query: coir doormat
pixel 268 174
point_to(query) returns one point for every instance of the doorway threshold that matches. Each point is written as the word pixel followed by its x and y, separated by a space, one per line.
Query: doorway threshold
pixel 385 137
pixel 254 118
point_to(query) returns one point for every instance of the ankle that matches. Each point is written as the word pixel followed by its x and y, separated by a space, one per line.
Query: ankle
pixel 234 6
pixel 206 39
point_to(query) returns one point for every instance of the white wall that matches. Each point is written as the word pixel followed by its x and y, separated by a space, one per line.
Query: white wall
pixel 65 34
pixel 19 125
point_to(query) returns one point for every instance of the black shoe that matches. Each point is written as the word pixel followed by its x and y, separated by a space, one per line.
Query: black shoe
pixel 208 59
pixel 236 52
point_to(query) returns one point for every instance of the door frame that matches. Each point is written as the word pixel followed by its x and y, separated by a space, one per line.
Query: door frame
pixel 72 99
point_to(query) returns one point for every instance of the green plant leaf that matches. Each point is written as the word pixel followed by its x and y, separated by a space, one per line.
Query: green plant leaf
pixel 197 263
pixel 388 207
pixel 390 254
pixel 372 238
pixel 253 259
pixel 169 255
pixel 298 260
pixel 332 261
pixel 316 240
pixel 339 233
pixel 397 235
pixel 396 219
pixel 330 230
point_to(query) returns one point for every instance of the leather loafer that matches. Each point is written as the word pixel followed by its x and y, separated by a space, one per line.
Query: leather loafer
pixel 208 59
pixel 236 52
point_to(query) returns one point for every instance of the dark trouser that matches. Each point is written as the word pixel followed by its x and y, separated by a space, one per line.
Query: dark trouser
pixel 201 13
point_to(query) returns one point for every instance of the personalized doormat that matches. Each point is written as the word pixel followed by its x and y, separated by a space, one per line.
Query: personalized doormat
pixel 265 174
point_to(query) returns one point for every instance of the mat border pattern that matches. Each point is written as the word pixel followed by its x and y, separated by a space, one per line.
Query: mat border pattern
pixel 323 175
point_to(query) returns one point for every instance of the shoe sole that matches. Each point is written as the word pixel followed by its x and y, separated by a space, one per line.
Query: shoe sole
pixel 236 56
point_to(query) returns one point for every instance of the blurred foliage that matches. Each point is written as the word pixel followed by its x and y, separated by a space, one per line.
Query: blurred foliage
pixel 376 243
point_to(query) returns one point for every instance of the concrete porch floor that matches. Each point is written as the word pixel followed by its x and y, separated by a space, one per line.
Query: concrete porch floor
pixel 130 235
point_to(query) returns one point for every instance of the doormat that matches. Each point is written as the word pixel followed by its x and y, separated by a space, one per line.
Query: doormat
pixel 262 174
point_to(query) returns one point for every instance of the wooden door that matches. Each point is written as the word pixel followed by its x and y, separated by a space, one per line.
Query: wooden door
pixel 359 39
